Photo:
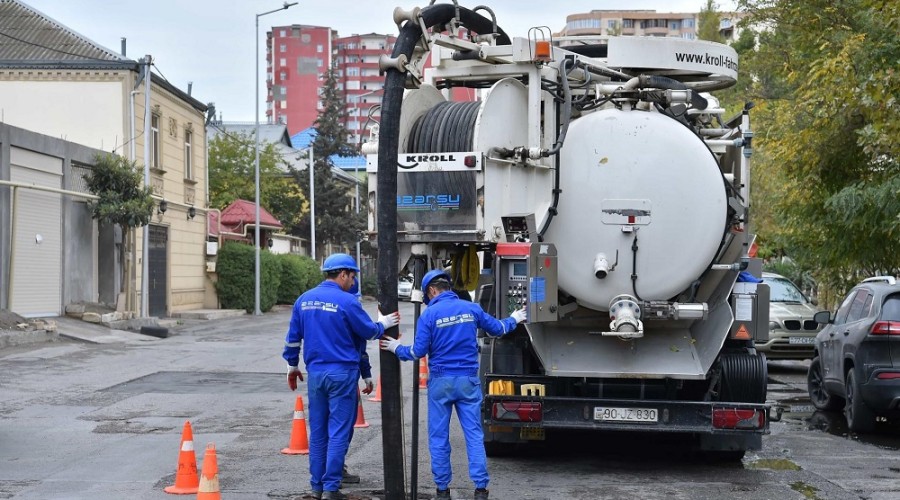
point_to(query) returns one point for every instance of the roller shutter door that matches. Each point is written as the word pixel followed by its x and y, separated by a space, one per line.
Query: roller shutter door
pixel 37 270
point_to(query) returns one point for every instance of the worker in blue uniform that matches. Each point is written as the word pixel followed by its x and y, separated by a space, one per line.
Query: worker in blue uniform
pixel 334 328
pixel 447 334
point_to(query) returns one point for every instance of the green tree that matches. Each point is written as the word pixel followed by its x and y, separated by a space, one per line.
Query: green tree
pixel 336 219
pixel 708 27
pixel 232 172
pixel 827 81
pixel 123 201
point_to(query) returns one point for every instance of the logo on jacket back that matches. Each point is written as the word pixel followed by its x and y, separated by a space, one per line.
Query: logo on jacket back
pixel 431 202
pixel 457 319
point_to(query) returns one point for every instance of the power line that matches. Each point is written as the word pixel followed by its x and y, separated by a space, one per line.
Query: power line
pixel 55 49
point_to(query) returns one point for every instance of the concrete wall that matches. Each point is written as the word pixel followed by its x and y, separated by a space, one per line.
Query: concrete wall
pixel 80 276
pixel 87 109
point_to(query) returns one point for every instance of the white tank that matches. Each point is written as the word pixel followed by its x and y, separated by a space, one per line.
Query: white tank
pixel 627 175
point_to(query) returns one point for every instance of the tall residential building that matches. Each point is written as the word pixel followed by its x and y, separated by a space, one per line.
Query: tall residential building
pixel 296 58
pixel 357 61
pixel 632 22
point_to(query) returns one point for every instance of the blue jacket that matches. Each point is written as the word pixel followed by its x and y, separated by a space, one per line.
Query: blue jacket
pixel 334 326
pixel 447 333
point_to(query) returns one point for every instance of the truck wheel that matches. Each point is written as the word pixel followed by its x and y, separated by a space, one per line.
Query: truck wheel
pixel 818 394
pixel 859 417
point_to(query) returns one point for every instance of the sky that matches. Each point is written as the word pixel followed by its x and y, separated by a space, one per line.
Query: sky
pixel 211 42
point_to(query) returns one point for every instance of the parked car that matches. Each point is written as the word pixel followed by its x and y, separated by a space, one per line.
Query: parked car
pixel 404 287
pixel 792 329
pixel 857 356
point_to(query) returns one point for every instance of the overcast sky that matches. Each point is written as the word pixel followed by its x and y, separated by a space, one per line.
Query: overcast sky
pixel 211 42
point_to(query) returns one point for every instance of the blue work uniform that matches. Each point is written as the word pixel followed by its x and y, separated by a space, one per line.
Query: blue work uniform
pixel 447 334
pixel 335 328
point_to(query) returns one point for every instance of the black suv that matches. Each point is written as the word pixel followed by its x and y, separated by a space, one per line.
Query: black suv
pixel 857 357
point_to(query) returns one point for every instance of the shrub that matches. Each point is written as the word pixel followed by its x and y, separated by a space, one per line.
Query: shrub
pixel 370 286
pixel 298 274
pixel 235 266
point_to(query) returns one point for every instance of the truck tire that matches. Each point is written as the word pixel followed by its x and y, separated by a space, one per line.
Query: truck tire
pixel 859 417
pixel 818 394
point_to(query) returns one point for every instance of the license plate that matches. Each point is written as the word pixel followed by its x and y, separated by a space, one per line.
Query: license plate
pixel 802 340
pixel 532 433
pixel 625 414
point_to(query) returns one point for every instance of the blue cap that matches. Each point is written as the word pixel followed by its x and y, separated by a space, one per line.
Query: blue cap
pixel 429 277
pixel 338 261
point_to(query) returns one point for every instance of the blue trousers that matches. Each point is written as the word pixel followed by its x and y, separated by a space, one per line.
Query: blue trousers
pixel 332 410
pixel 464 394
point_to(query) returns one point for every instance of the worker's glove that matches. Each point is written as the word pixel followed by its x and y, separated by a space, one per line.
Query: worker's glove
pixel 389 344
pixel 370 386
pixel 519 315
pixel 293 373
pixel 389 321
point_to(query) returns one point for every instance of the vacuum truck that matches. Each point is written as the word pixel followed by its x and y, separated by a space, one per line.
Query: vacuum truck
pixel 597 182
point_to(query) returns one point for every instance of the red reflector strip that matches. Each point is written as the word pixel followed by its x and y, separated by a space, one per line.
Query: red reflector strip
pixel 888 376
pixel 734 418
pixel 513 411
pixel 886 328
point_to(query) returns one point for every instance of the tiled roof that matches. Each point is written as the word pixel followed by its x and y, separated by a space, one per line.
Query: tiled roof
pixel 243 212
pixel 30 38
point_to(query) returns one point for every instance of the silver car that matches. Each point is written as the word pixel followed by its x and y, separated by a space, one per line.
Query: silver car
pixel 404 287
pixel 792 329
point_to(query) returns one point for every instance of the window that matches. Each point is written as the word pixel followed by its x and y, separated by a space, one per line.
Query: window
pixel 154 141
pixel 282 33
pixel 319 48
pixel 674 25
pixel 282 90
pixel 890 310
pixel 319 63
pixel 611 23
pixel 688 23
pixel 188 155
pixel 857 309
pixel 282 62
pixel 282 75
pixel 628 23
pixel 282 48
pixel 841 316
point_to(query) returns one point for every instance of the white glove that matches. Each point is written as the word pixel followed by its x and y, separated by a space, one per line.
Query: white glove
pixel 389 344
pixel 519 315
pixel 370 386
pixel 389 321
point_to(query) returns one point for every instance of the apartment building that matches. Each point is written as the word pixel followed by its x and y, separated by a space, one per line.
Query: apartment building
pixel 633 22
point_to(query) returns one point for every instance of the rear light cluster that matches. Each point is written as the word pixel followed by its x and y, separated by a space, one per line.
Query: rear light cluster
pixel 886 328
pixel 514 411
pixel 888 376
pixel 735 418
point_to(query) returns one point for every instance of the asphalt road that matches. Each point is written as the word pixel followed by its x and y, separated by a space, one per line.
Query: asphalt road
pixel 103 421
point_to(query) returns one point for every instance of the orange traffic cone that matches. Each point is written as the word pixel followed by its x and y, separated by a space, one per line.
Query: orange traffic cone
pixel 299 444
pixel 209 478
pixel 423 373
pixel 186 480
pixel 377 397
pixel 360 417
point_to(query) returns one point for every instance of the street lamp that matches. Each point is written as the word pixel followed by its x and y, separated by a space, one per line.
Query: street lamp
pixel 256 309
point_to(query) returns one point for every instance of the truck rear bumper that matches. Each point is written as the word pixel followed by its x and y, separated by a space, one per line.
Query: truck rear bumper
pixel 712 418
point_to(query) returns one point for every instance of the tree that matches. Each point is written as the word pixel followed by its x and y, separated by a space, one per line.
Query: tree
pixel 232 172
pixel 826 79
pixel 708 28
pixel 123 201
pixel 336 219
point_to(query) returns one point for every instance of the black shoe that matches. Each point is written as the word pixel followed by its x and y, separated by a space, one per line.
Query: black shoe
pixel 481 494
pixel 335 495
pixel 348 478
pixel 312 494
pixel 442 495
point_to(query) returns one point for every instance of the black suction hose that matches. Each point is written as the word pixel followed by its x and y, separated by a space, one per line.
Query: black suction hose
pixel 386 213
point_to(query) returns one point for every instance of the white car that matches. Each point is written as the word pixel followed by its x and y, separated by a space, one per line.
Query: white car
pixel 404 287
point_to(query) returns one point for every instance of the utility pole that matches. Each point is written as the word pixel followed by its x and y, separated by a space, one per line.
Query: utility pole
pixel 145 242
